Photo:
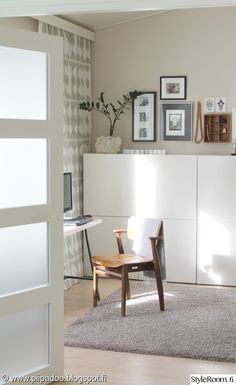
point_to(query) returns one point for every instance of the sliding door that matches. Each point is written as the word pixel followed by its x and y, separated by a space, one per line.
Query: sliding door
pixel 31 231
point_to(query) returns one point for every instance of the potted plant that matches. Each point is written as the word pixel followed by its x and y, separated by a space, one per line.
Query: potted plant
pixel 113 113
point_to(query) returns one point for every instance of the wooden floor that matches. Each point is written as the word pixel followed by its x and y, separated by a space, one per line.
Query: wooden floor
pixel 127 368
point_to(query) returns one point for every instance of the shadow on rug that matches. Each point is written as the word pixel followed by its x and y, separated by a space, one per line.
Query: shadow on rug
pixel 199 322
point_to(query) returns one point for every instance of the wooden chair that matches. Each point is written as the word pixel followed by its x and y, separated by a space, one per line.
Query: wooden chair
pixel 146 233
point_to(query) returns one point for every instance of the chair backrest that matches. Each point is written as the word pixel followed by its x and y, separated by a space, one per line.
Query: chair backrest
pixel 139 230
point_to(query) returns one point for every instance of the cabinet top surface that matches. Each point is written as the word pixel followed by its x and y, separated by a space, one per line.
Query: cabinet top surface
pixel 159 156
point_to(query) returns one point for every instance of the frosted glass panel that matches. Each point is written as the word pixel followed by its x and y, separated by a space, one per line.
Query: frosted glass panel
pixel 23 79
pixel 23 257
pixel 23 172
pixel 24 341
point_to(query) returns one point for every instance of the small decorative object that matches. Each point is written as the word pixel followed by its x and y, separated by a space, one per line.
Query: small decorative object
pixel 209 105
pixel 199 136
pixel 220 104
pixel 108 144
pixel 217 127
pixel 144 117
pixel 113 113
pixel 176 122
pixel 173 87
pixel 146 151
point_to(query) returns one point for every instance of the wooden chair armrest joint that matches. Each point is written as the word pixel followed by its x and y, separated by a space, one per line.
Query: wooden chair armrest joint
pixel 159 238
pixel 119 231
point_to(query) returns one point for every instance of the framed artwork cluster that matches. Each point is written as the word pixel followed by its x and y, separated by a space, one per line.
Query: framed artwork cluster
pixel 215 104
pixel 175 116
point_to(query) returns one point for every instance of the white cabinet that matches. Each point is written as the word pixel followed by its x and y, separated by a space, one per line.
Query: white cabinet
pixel 119 186
pixel 195 196
pixel 216 220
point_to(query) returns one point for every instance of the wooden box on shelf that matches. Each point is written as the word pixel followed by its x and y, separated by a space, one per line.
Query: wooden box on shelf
pixel 217 128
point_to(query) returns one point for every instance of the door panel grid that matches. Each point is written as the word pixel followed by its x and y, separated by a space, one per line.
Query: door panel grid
pixel 31 227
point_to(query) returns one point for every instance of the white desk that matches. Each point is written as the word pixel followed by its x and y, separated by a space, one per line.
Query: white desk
pixel 70 230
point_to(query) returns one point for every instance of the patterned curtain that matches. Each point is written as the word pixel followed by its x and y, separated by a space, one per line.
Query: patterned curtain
pixel 77 131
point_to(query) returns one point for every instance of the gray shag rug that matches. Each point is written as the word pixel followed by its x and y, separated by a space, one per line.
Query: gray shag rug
pixel 199 322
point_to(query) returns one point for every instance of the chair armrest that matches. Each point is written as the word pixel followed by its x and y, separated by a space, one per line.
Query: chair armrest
pixel 118 233
pixel 156 238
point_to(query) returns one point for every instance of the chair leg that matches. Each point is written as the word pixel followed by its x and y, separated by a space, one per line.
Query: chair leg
pixel 123 289
pixel 128 287
pixel 159 284
pixel 95 286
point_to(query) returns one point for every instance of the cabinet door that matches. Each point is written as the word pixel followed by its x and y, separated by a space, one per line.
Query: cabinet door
pixel 217 187
pixel 216 220
pixel 180 250
pixel 145 185
pixel 216 252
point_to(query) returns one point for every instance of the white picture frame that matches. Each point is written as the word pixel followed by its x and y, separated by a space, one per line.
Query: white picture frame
pixel 209 105
pixel 220 104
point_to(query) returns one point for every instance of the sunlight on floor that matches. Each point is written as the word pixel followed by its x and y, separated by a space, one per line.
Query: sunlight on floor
pixel 137 301
pixel 143 298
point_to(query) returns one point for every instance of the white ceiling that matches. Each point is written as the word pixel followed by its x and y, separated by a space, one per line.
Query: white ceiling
pixel 95 21
pixel 10 8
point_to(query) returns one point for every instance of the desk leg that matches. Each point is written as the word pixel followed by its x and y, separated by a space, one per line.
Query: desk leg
pixel 90 256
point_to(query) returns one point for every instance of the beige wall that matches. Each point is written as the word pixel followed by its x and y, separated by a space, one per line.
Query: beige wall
pixel 200 44
pixel 20 22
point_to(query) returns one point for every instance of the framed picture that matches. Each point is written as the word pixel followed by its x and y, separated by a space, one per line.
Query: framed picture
pixel 220 104
pixel 209 105
pixel 176 122
pixel 144 118
pixel 173 87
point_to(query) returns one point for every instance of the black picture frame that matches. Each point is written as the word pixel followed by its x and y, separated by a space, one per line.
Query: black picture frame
pixel 176 121
pixel 173 87
pixel 144 117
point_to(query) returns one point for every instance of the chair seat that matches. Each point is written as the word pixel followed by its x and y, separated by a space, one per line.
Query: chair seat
pixel 120 260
